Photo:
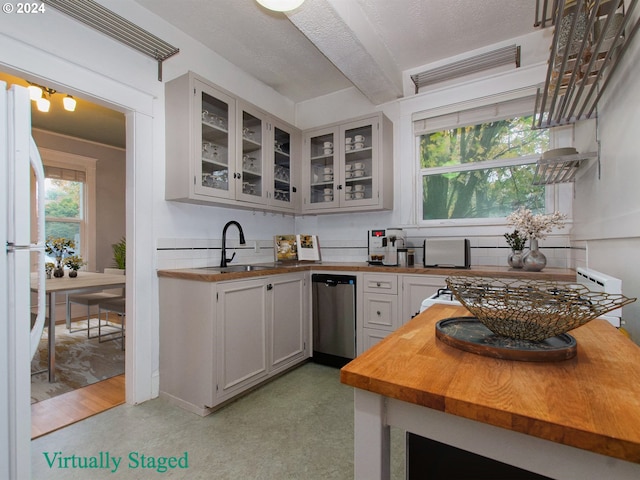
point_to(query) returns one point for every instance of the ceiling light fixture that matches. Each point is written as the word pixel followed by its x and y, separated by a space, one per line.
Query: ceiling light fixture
pixel 42 96
pixel 69 103
pixel 35 92
pixel 43 104
pixel 280 5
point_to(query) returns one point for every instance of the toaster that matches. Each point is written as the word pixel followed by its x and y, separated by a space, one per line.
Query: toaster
pixel 447 253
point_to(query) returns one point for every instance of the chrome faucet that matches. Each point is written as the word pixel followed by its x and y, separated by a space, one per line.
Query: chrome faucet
pixel 224 260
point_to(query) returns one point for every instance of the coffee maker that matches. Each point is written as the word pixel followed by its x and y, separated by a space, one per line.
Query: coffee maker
pixel 383 246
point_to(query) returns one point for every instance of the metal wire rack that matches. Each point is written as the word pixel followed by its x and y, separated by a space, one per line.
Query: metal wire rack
pixel 104 20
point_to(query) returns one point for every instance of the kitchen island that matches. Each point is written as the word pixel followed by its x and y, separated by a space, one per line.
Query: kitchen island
pixel 573 419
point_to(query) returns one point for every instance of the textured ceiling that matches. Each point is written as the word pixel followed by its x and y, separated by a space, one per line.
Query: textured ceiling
pixel 370 43
pixel 396 35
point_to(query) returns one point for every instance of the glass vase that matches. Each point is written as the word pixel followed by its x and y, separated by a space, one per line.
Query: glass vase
pixel 515 259
pixel 534 260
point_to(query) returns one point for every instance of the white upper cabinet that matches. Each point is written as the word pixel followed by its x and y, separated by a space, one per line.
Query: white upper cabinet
pixel 223 150
pixel 349 166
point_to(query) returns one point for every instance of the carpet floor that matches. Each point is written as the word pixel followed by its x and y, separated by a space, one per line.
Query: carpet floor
pixel 80 361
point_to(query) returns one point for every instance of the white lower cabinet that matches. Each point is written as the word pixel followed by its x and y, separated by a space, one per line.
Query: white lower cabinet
pixel 241 336
pixel 379 308
pixel 288 333
pixel 218 340
pixel 415 288
pixel 389 301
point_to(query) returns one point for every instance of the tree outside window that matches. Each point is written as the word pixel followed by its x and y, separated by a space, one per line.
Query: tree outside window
pixel 481 171
pixel 63 210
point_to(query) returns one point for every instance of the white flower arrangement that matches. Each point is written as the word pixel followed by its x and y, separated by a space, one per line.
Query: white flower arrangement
pixel 535 226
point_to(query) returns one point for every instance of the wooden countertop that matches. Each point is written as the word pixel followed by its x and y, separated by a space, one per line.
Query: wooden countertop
pixel 591 401
pixel 211 274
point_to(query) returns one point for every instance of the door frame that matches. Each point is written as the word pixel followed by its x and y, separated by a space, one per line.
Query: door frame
pixel 22 59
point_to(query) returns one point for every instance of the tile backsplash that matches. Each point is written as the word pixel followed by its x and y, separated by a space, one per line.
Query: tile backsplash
pixel 488 250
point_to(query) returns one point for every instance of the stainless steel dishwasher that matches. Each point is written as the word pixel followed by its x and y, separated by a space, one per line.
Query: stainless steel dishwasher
pixel 334 318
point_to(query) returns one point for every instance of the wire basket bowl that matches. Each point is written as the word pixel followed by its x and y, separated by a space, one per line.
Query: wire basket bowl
pixel 531 309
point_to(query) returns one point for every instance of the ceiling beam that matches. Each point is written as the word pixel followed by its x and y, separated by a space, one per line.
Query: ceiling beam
pixel 342 32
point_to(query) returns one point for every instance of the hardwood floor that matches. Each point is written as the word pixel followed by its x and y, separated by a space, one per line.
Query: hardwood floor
pixel 50 415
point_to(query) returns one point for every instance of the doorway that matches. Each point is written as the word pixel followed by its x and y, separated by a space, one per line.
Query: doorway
pixel 84 153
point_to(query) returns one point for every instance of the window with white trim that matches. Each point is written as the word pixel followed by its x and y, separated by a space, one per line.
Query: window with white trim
pixel 479 163
pixel 64 205
pixel 70 200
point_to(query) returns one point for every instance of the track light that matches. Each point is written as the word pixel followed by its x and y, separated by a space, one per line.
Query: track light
pixel 35 92
pixel 42 96
pixel 43 104
pixel 69 103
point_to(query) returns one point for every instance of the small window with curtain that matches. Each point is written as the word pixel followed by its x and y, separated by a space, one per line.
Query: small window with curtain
pixel 480 163
pixel 65 205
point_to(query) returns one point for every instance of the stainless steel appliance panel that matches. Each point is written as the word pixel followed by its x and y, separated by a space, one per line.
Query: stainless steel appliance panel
pixel 448 253
pixel 334 318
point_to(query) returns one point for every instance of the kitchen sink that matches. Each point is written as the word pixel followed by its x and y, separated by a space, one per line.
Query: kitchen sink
pixel 238 268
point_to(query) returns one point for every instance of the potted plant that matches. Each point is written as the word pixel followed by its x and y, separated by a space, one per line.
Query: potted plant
pixel 517 242
pixel 60 248
pixel 535 227
pixel 74 263
pixel 120 253
pixel 48 268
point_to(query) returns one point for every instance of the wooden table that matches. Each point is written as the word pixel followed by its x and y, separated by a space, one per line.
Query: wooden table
pixel 578 418
pixel 83 283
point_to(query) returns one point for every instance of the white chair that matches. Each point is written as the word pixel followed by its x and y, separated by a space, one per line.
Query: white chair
pixel 93 299
pixel 117 306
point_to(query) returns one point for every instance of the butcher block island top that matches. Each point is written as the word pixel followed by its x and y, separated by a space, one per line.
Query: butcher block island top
pixel 591 401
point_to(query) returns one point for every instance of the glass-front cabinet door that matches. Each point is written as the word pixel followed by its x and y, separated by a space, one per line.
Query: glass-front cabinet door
pixel 216 119
pixel 283 179
pixel 251 184
pixel 360 163
pixel 322 176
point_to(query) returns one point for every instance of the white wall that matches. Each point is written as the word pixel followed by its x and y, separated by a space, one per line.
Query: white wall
pixel 110 189
pixel 607 202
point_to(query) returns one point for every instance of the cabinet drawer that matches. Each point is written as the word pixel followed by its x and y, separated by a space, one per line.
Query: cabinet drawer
pixel 381 283
pixel 380 311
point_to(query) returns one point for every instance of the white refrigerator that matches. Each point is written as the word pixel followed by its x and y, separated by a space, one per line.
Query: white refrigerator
pixel 19 157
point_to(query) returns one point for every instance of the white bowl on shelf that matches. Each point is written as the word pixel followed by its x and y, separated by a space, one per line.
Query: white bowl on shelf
pixel 359 188
pixel 359 195
pixel 328 198
pixel 358 173
pixel 558 152
pixel 328 177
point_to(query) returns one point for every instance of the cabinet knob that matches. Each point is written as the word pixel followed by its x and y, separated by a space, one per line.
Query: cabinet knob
pixel 269 286
pixel 339 187
pixel 378 312
pixel 378 284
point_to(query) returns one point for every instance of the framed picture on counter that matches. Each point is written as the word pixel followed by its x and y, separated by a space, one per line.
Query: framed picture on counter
pixel 285 248
pixel 308 247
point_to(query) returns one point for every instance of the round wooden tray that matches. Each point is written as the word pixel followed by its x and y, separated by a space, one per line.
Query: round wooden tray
pixel 470 335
